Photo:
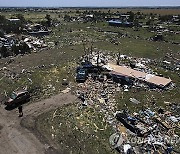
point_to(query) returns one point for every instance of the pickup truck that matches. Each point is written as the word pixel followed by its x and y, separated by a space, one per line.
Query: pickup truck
pixel 81 75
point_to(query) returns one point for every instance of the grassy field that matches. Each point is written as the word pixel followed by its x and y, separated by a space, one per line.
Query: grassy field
pixel 70 47
pixel 148 11
pixel 43 71
pixel 79 130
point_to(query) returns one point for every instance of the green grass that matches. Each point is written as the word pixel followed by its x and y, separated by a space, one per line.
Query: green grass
pixel 77 131
pixel 58 64
pixel 139 48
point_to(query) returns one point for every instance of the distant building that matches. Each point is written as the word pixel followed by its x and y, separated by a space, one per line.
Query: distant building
pixel 37 30
pixel 14 20
pixel 125 16
pixel 120 23
pixel 39 33
pixel 176 19
pixel 89 16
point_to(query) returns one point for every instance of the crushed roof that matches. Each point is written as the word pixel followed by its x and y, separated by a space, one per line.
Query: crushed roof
pixel 150 78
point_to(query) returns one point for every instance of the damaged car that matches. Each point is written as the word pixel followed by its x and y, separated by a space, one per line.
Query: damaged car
pixel 18 97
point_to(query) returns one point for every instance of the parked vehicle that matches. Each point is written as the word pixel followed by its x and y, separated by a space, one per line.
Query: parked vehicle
pixel 81 75
pixel 18 97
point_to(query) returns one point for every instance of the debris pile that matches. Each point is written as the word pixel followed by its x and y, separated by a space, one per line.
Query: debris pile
pixel 34 43
pixel 36 30
pixel 146 131
pixel 20 44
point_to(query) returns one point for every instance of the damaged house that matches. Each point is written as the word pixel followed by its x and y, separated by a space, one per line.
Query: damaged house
pixel 37 30
pixel 127 74
pixel 120 23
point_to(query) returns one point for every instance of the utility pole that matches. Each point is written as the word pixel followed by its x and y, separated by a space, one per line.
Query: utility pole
pixel 91 47
pixel 118 58
pixel 98 59
pixel 84 47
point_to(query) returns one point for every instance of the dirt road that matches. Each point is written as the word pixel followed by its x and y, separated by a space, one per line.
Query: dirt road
pixel 15 139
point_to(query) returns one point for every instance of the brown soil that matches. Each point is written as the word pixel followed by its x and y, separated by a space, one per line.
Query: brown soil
pixel 18 136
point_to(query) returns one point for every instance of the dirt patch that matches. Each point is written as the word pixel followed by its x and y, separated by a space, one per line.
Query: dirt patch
pixel 1 127
pixel 51 150
pixel 34 110
pixel 28 122
pixel 19 136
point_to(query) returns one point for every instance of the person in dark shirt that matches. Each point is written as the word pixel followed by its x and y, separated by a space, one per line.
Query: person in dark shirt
pixel 20 111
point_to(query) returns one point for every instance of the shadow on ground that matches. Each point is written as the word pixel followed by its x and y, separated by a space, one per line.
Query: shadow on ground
pixel 14 106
